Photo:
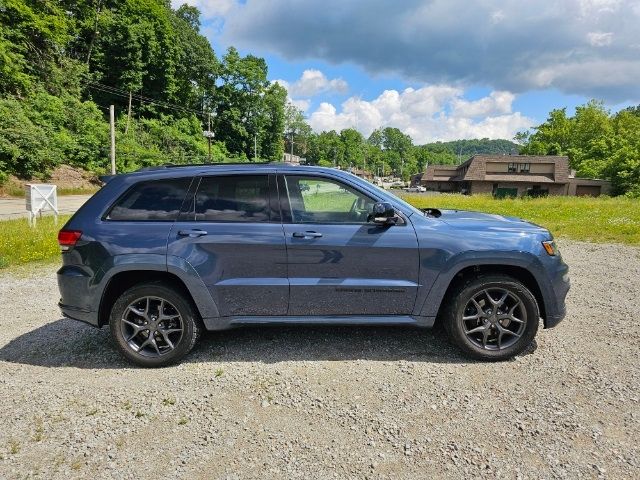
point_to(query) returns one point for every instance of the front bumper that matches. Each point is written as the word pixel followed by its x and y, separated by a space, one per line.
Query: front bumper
pixel 557 309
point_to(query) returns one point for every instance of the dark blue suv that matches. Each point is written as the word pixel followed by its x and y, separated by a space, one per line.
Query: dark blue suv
pixel 162 254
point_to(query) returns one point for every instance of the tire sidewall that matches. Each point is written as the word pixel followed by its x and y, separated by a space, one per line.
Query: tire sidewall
pixel 455 327
pixel 189 335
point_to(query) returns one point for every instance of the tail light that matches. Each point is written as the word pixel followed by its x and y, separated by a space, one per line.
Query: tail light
pixel 68 238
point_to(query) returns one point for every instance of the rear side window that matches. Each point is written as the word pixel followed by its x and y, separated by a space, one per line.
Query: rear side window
pixel 239 198
pixel 158 200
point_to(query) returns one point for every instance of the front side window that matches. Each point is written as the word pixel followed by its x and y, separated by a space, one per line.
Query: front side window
pixel 233 198
pixel 158 200
pixel 321 200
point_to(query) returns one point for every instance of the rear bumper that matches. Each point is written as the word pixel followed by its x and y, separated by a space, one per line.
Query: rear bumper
pixel 76 298
pixel 80 314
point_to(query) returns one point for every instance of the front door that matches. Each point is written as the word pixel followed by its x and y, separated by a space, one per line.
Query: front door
pixel 232 236
pixel 339 263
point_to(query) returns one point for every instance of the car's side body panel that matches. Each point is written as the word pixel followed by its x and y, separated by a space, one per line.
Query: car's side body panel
pixel 244 265
pixel 255 273
pixel 352 269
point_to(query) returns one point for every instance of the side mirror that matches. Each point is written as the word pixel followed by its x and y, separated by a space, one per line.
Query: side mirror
pixel 383 213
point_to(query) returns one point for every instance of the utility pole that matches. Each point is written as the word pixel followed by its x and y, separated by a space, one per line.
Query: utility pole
pixel 126 129
pixel 291 157
pixel 209 134
pixel 112 121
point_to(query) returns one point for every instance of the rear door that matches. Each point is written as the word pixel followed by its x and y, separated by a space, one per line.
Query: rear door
pixel 231 234
pixel 339 263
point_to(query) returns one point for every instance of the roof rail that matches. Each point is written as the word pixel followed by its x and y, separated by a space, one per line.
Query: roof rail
pixel 213 164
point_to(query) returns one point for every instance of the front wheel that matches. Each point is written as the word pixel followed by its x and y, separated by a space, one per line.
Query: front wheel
pixel 153 325
pixel 492 318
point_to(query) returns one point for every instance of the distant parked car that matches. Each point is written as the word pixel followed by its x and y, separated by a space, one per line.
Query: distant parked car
pixel 416 189
pixel 161 255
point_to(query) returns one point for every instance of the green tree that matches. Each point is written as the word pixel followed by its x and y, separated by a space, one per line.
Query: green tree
pixel 353 148
pixel 33 36
pixel 271 137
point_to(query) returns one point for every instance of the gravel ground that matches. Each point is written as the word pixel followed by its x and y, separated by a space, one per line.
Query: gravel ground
pixel 328 402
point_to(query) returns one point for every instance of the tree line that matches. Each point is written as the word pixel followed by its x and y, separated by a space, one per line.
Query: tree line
pixel 599 144
pixel 62 63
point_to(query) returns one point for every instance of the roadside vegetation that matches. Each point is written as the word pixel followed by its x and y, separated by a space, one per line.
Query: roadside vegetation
pixel 20 244
pixel 65 62
pixel 600 220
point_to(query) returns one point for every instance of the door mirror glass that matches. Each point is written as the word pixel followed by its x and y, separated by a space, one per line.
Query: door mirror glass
pixel 383 213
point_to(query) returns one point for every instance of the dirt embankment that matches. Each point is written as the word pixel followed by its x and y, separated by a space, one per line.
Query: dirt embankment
pixel 67 178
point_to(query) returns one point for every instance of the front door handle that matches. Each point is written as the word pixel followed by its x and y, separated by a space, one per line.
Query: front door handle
pixel 306 235
pixel 192 233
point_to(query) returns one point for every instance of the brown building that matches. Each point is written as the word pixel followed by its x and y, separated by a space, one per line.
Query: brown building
pixel 510 175
pixel 367 175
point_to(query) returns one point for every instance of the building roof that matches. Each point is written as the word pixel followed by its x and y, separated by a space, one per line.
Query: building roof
pixel 475 168
pixel 519 178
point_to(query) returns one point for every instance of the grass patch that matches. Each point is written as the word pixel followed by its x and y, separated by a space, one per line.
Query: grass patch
pixel 21 244
pixel 602 219
pixel 17 191
pixel 14 446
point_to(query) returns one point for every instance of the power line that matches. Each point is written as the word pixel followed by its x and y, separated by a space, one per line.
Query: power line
pixel 108 90
pixel 125 94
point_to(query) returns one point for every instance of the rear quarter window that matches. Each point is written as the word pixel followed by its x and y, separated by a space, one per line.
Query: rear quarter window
pixel 156 200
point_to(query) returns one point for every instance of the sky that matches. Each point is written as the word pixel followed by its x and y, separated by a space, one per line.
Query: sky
pixel 436 69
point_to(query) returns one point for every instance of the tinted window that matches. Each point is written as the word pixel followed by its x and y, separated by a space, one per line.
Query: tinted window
pixel 321 200
pixel 241 198
pixel 159 200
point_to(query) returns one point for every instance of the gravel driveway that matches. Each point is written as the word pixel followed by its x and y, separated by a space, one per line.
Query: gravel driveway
pixel 328 402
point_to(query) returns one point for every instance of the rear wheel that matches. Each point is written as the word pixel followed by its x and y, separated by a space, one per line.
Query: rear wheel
pixel 153 325
pixel 492 318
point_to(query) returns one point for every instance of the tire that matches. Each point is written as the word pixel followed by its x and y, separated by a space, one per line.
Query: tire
pixel 176 330
pixel 485 329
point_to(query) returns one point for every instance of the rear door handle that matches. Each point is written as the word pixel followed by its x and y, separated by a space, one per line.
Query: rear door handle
pixel 192 233
pixel 307 234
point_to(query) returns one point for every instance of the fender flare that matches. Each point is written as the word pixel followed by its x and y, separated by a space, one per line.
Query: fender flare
pixel 527 261
pixel 176 266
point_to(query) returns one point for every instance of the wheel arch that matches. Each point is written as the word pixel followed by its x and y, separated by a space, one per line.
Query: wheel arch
pixel 521 274
pixel 519 266
pixel 124 280
pixel 178 273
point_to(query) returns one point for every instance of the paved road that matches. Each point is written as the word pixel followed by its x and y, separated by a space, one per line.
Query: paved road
pixel 16 207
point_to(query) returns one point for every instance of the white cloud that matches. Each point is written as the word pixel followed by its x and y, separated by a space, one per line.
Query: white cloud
pixel 497 16
pixel 600 39
pixel 495 103
pixel 302 104
pixel 507 45
pixel 209 8
pixel 312 83
pixel 435 112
